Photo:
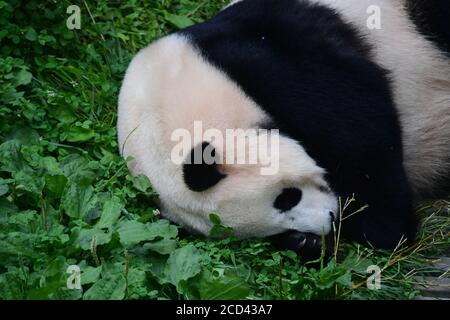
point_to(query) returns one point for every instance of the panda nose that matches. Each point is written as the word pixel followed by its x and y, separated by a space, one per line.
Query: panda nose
pixel 307 245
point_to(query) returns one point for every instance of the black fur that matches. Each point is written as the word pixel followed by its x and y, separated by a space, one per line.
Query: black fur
pixel 201 175
pixel 432 18
pixel 288 199
pixel 313 74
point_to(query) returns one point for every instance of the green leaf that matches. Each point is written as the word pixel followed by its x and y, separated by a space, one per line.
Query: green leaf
pixel 29 180
pixel 66 294
pixel 133 232
pixel 51 166
pixel 78 199
pixel 227 287
pixel 77 167
pixel 85 237
pixel 178 21
pixel 141 182
pixel 23 77
pixel 183 264
pixel 3 189
pixel 163 246
pixel 78 134
pixel 137 281
pixel 7 207
pixel 10 286
pixel 110 213
pixel 54 185
pixel 163 228
pixel 11 159
pixel 110 287
pixel 24 135
pixel 31 34
pixel 90 274
pixel 214 218
pixel 345 280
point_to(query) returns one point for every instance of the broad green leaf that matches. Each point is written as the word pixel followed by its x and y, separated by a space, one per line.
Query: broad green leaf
pixel 133 232
pixel 110 287
pixel 345 280
pixel 7 207
pixel 110 213
pixel 31 34
pixel 11 159
pixel 54 278
pixel 76 168
pixel 90 274
pixel 51 166
pixel 23 77
pixel 137 281
pixel 29 180
pixel 183 264
pixel 84 239
pixel 10 286
pixel 67 294
pixel 141 182
pixel 214 218
pixel 163 246
pixel 163 228
pixel 78 134
pixel 3 189
pixel 78 199
pixel 178 21
pixel 227 287
pixel 55 185
pixel 23 218
pixel 24 135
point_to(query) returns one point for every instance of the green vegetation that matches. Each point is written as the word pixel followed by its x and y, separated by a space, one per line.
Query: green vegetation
pixel 67 198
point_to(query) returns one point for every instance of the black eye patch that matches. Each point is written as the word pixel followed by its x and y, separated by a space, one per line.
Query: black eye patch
pixel 288 199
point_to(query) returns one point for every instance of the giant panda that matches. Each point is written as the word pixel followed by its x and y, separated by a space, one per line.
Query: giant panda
pixel 362 113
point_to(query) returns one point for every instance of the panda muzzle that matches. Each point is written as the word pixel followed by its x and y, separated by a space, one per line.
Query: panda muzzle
pixel 308 246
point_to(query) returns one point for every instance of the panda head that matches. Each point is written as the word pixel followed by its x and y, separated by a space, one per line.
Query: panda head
pixel 170 85
pixel 293 204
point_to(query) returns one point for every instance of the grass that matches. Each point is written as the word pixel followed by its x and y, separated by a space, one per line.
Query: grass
pixel 67 198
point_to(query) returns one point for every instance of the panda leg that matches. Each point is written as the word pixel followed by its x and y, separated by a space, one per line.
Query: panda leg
pixel 389 218
pixel 382 227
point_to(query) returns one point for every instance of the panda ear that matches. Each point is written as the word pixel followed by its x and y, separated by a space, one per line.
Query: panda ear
pixel 200 169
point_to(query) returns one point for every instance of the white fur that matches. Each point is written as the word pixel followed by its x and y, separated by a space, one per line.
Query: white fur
pixel 169 86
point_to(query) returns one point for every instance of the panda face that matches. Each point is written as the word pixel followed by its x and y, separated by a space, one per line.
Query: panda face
pixel 296 197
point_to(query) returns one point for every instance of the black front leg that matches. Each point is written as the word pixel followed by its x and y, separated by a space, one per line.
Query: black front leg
pixel 389 217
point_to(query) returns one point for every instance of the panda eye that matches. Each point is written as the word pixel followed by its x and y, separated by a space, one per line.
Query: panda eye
pixel 288 199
